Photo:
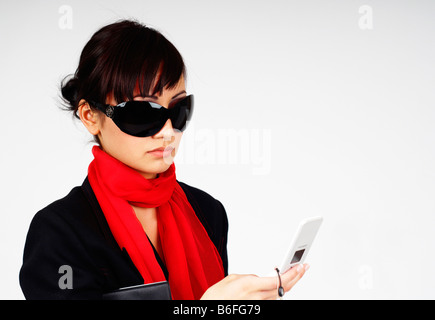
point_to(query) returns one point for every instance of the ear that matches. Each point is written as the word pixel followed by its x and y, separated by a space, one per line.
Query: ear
pixel 89 117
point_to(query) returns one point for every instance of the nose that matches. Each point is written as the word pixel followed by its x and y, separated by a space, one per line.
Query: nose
pixel 167 132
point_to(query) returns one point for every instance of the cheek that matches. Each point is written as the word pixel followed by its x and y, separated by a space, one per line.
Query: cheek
pixel 121 145
pixel 132 151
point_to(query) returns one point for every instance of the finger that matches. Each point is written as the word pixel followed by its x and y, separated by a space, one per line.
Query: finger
pixel 291 277
pixel 288 279
pixel 293 272
pixel 267 288
pixel 258 284
pixel 256 287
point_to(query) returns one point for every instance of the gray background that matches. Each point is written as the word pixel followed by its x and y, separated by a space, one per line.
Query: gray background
pixel 302 108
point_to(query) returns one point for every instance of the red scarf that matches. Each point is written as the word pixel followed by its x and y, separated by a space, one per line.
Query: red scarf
pixel 192 260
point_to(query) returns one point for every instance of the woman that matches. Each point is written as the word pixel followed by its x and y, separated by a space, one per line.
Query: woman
pixel 131 222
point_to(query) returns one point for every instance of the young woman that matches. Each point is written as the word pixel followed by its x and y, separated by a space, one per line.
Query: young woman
pixel 131 222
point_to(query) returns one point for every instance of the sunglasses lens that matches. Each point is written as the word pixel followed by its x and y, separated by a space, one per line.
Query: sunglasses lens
pixel 182 112
pixel 145 119
pixel 139 119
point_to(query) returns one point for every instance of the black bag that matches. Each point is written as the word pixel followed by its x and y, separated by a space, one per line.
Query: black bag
pixel 150 291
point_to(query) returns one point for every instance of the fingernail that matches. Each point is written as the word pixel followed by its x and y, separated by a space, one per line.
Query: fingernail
pixel 307 266
pixel 300 268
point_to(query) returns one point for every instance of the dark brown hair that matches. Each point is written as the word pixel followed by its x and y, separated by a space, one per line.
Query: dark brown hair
pixel 117 58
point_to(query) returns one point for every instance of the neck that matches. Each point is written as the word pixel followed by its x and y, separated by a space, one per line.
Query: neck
pixel 148 175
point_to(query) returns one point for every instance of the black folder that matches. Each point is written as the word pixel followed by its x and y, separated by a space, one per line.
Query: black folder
pixel 150 291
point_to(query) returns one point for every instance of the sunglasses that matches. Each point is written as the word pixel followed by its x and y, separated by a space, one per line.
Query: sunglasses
pixel 145 118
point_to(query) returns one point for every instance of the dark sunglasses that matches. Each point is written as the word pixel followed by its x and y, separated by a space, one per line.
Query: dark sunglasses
pixel 145 118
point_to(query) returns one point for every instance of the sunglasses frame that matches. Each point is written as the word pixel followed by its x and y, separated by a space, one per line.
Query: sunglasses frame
pixel 166 113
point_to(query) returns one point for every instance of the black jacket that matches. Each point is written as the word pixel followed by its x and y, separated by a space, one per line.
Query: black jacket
pixel 73 232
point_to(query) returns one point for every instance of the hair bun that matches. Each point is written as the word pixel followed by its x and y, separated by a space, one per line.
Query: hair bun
pixel 69 90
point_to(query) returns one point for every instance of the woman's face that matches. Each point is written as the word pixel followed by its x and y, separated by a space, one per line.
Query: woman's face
pixel 137 152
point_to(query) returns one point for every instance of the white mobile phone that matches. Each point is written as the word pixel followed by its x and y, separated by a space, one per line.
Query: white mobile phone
pixel 301 243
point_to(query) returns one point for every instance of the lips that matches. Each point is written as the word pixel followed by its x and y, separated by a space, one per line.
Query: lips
pixel 161 149
pixel 162 152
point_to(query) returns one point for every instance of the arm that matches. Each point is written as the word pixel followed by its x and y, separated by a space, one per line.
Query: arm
pixel 56 264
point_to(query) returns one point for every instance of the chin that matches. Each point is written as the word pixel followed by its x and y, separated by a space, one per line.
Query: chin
pixel 154 168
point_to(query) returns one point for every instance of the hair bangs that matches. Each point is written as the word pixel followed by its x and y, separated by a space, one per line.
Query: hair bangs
pixel 147 62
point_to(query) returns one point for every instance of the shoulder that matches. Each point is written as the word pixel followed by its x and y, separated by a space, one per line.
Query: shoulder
pixel 60 212
pixel 66 225
pixel 69 213
pixel 59 236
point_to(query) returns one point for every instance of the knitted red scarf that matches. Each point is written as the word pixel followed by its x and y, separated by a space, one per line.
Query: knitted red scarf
pixel 192 260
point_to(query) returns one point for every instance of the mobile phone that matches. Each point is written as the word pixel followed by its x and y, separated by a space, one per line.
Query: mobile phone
pixel 301 243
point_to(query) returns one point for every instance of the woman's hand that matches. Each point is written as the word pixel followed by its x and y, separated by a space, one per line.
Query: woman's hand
pixel 252 287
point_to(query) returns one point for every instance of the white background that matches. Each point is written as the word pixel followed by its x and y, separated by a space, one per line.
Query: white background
pixel 300 111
